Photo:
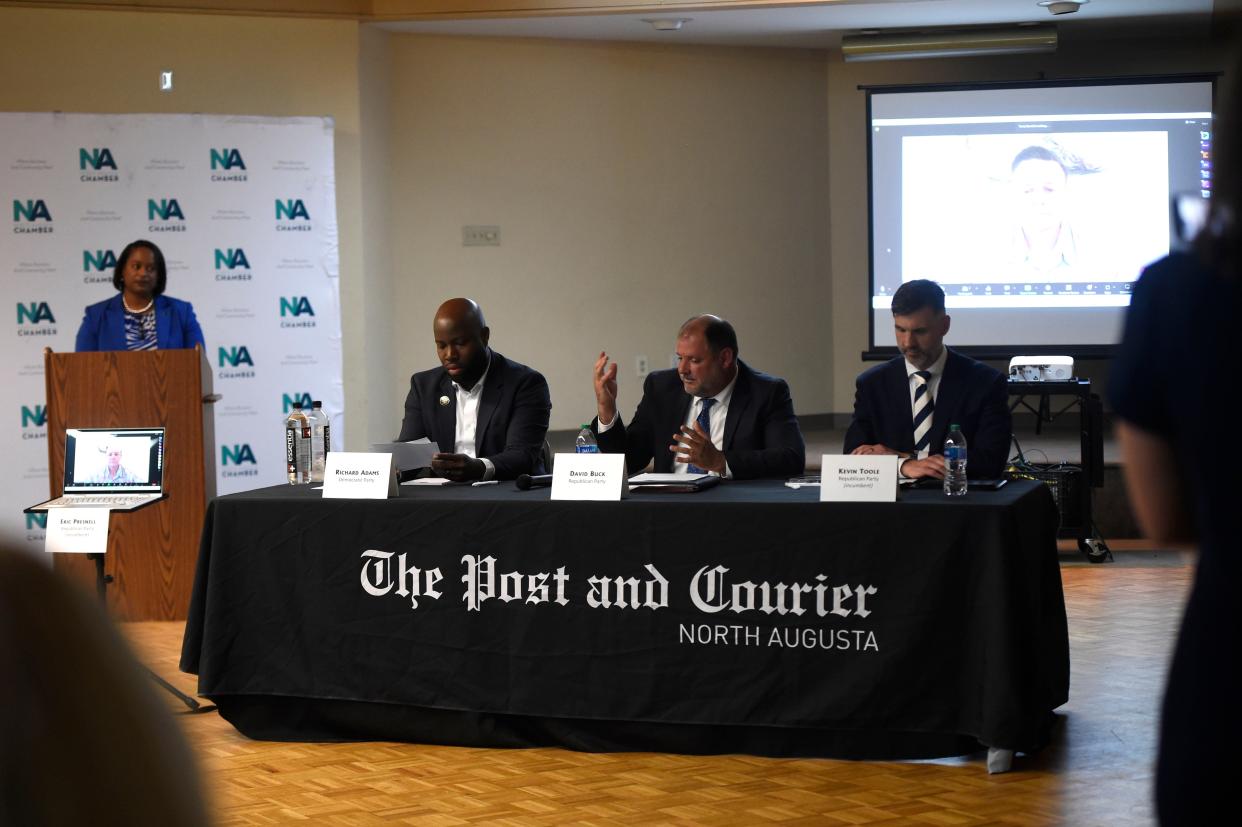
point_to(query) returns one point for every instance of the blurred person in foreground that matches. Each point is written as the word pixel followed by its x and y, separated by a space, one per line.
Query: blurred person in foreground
pixel 1176 398
pixel 83 737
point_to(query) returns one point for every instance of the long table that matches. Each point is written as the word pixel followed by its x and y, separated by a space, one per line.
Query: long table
pixel 747 618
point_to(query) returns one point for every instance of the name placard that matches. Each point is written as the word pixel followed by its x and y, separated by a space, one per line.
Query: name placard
pixel 77 531
pixel 353 475
pixel 862 478
pixel 588 477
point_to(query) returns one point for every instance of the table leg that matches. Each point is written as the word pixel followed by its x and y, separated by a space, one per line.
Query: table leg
pixel 999 760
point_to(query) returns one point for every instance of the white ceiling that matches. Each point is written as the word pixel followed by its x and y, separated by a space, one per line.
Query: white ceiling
pixel 814 27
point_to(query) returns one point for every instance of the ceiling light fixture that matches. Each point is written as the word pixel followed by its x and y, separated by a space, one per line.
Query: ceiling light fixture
pixel 1062 6
pixel 1038 39
pixel 667 24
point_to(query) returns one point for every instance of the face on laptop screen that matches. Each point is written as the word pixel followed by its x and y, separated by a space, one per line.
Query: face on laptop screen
pixel 128 459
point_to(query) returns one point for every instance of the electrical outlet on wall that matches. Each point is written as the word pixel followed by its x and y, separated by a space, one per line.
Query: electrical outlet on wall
pixel 480 235
pixel 641 367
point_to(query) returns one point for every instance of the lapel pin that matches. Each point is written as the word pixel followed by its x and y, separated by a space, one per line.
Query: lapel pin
pixel 444 400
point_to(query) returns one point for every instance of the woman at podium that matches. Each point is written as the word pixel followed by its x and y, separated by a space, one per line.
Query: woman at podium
pixel 141 317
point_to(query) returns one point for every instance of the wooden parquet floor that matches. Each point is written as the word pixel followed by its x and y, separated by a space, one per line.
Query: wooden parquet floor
pixel 1098 770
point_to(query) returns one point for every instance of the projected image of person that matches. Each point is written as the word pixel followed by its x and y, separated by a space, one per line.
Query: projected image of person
pixel 1044 239
pixel 114 471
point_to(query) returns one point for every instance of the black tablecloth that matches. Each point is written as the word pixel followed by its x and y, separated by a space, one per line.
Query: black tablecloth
pixel 747 618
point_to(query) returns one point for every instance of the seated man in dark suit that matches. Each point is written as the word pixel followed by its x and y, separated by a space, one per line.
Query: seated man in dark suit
pixel 713 413
pixel 489 415
pixel 906 405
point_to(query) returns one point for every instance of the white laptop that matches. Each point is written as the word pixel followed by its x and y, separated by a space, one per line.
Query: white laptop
pixel 120 469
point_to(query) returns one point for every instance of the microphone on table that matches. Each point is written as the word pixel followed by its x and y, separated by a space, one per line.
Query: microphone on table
pixel 525 482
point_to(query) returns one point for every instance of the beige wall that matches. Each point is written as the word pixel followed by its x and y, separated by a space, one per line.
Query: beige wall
pixel 377 398
pixel 634 186
pixel 85 61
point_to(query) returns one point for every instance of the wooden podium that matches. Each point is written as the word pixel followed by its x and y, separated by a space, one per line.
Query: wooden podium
pixel 152 552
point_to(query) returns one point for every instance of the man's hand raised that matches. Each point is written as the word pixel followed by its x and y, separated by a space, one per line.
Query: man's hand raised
pixel 605 389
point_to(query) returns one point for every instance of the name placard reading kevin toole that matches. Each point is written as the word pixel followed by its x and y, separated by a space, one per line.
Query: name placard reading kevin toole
pixel 861 478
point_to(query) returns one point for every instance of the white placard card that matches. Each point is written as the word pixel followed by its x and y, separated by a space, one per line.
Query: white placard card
pixel 588 477
pixel 858 478
pixel 353 475
pixel 77 530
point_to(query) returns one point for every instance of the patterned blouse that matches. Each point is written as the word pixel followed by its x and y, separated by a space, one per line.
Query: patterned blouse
pixel 140 330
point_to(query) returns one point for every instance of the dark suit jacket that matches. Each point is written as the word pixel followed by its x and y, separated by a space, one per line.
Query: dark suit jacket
pixel 513 416
pixel 761 439
pixel 971 395
pixel 103 327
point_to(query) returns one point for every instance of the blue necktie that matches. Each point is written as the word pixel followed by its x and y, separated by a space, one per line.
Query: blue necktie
pixel 704 421
pixel 923 408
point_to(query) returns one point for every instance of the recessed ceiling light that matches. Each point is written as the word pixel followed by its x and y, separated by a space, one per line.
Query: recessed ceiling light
pixel 667 24
pixel 1062 6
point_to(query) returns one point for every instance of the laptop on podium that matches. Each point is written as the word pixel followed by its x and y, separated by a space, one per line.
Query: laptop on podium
pixel 121 469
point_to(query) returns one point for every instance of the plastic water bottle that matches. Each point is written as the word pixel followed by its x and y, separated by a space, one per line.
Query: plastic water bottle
pixel 955 462
pixel 585 443
pixel 321 440
pixel 298 446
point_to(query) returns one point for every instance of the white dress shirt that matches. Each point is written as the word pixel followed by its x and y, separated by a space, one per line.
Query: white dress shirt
pixel 468 421
pixel 716 417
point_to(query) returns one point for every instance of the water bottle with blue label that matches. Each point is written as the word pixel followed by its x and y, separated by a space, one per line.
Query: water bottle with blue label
pixel 955 462
pixel 585 443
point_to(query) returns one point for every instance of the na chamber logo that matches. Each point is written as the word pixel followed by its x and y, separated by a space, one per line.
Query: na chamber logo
pixel 232 264
pixel 289 401
pixel 165 215
pixel 238 460
pixel 291 215
pixel 227 165
pixel 296 311
pixel 98 266
pixel 35 319
pixel 94 163
pixel 34 422
pixel 36 526
pixel 235 362
pixel 27 215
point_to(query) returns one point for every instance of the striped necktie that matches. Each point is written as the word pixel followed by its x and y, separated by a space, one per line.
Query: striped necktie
pixel 923 407
pixel 704 421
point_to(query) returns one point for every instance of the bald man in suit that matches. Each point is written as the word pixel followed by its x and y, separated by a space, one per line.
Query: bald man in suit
pixel 488 414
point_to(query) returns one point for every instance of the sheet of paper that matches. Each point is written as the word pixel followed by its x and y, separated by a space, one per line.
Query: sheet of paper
pixel 640 479
pixel 408 455
pixel 428 481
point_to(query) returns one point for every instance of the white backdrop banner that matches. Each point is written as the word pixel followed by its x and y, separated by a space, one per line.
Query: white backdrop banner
pixel 244 210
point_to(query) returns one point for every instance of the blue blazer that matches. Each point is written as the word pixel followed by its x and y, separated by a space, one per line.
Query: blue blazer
pixel 103 327
pixel 971 394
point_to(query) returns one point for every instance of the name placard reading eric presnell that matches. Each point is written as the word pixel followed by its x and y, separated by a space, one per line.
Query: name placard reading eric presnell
pixel 588 477
pixel 353 475
pixel 861 478
pixel 77 530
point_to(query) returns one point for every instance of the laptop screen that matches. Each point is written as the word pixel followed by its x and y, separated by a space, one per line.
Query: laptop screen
pixel 114 460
